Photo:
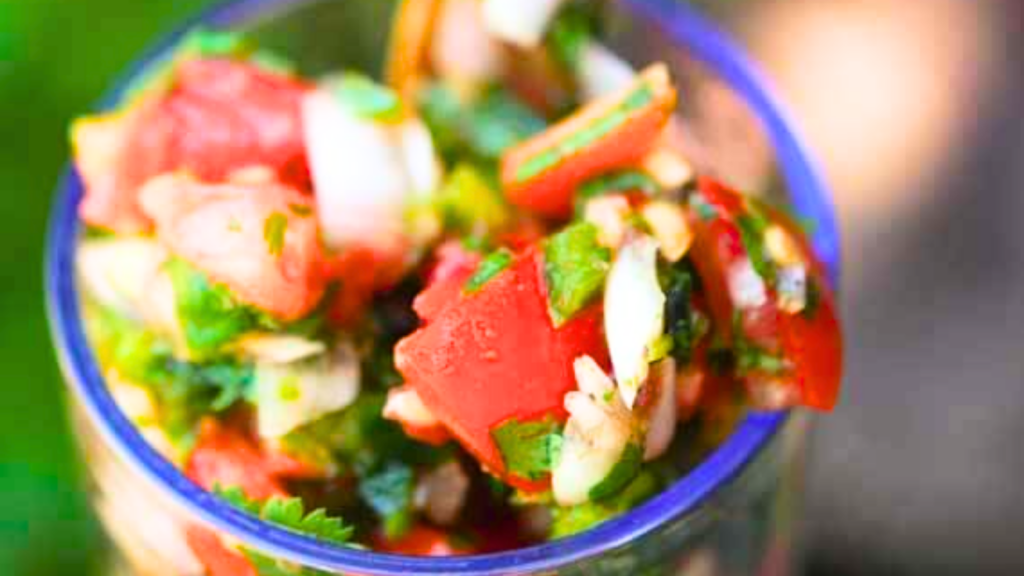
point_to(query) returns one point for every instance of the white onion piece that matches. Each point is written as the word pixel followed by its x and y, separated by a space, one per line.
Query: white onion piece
pixel 662 426
pixel 667 165
pixel 405 405
pixel 791 287
pixel 595 436
pixel 601 71
pixel 358 172
pixel 441 493
pixel 117 271
pixel 609 215
pixel 669 227
pixel 463 51
pixel 278 348
pixel 519 22
pixel 781 246
pixel 290 395
pixel 421 164
pixel 746 287
pixel 634 313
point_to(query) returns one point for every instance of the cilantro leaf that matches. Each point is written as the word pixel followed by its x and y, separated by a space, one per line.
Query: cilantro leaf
pixel 529 449
pixel 570 31
pixel 366 98
pixel 210 315
pixel 569 520
pixel 469 202
pixel 683 323
pixel 575 267
pixel 273 232
pixel 620 475
pixel 752 227
pixel 388 491
pixel 289 513
pixel 489 267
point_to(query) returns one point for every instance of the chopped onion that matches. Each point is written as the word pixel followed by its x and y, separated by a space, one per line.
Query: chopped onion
pixel 405 405
pixel 609 214
pixel 634 313
pixel 278 348
pixel 746 288
pixel 421 163
pixel 668 167
pixel 670 228
pixel 596 435
pixel 441 493
pixel 293 394
pixel 662 426
pixel 782 248
pixel 791 287
pixel 359 174
pixel 601 71
pixel 519 22
pixel 463 51
pixel 116 272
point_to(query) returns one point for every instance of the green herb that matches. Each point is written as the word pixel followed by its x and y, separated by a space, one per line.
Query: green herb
pixel 489 267
pixel 752 227
pixel 470 203
pixel 620 475
pixel 619 182
pixel 748 357
pixel 300 210
pixel 388 491
pixel 366 98
pixel 573 27
pixel 288 513
pixel 577 141
pixel 575 267
pixel 528 448
pixel 683 323
pixel 569 520
pixel 273 232
pixel 483 129
pixel 209 314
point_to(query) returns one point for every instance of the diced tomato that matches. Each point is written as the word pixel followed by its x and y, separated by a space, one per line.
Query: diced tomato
pixel 218 559
pixel 219 116
pixel 542 173
pixel 260 240
pixel 225 457
pixel 421 540
pixel 455 265
pixel 495 355
pixel 810 341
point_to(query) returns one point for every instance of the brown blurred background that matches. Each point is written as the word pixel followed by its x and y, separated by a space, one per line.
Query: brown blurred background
pixel 915 108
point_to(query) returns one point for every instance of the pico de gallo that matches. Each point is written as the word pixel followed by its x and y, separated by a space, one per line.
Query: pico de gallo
pixel 481 302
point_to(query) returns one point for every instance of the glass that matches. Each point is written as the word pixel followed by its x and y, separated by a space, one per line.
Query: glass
pixel 735 513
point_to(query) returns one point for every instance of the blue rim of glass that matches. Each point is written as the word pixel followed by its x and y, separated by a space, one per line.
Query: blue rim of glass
pixel 808 193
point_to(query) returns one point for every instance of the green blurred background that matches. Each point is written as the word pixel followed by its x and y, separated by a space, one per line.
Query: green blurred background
pixel 56 58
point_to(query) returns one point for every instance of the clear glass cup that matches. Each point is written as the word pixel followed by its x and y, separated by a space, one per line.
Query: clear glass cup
pixel 735 513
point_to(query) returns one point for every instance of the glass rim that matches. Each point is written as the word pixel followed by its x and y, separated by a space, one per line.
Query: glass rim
pixel 687 30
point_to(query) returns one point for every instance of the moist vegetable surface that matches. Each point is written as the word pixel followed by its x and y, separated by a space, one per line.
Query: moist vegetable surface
pixel 483 302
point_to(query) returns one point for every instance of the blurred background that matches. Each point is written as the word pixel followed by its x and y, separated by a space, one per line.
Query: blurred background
pixel 915 109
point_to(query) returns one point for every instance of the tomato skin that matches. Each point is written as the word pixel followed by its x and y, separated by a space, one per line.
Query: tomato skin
pixel 218 559
pixel 455 265
pixel 421 540
pixel 810 341
pixel 495 355
pixel 225 457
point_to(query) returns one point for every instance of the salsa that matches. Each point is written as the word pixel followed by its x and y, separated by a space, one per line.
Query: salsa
pixel 482 303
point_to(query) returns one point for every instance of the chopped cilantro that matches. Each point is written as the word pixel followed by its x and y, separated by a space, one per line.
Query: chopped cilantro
pixel 483 129
pixel 620 475
pixel 273 232
pixel 683 323
pixel 388 491
pixel 489 267
pixel 569 520
pixel 575 267
pixel 366 98
pixel 752 227
pixel 469 202
pixel 619 182
pixel 571 29
pixel 300 210
pixel 529 449
pixel 586 136
pixel 209 314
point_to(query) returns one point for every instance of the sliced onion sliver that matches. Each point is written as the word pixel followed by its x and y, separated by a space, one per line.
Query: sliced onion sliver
pixel 117 271
pixel 634 313
pixel 290 395
pixel 358 171
pixel 520 22
pixel 601 71
pixel 405 405
pixel 278 348
pixel 662 426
